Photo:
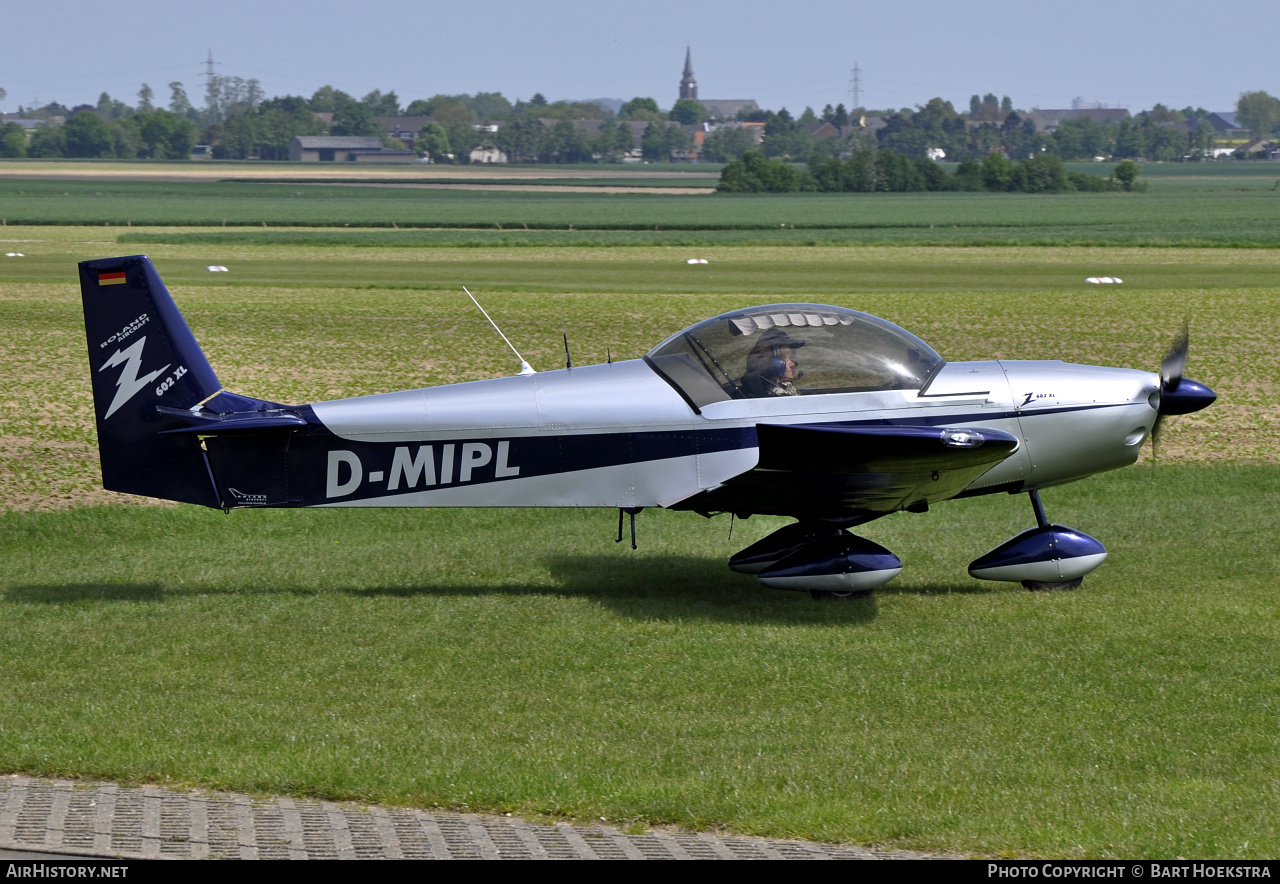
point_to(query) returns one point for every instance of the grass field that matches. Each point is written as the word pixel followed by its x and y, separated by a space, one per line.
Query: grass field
pixel 1179 216
pixel 521 661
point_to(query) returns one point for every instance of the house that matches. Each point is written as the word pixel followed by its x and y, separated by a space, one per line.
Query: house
pixel 487 153
pixel 864 126
pixel 29 125
pixel 404 128
pixel 1224 124
pixel 1047 121
pixel 344 148
pixel 822 129
pixel 728 108
pixel 1259 148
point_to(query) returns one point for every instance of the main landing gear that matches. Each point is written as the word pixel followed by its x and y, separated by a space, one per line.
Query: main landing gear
pixel 822 558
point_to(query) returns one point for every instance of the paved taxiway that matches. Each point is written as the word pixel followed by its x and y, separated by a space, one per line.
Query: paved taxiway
pixel 87 819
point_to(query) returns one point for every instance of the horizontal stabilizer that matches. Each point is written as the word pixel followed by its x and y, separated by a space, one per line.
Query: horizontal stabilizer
pixel 241 422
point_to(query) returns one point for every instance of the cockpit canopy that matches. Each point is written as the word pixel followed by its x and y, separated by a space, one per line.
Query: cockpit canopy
pixel 805 348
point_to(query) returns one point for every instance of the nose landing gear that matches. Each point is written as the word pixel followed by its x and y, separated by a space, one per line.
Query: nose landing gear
pixel 1043 558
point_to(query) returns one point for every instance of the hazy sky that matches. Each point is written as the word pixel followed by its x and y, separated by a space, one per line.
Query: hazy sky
pixel 789 54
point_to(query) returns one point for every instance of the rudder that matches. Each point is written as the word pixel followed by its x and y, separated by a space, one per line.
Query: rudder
pixel 142 355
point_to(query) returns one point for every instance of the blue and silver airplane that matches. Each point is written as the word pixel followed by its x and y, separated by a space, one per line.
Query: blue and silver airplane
pixel 826 415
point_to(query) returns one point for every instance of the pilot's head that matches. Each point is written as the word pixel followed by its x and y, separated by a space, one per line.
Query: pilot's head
pixel 774 356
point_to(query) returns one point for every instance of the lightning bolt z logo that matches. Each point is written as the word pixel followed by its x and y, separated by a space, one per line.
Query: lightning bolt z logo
pixel 128 384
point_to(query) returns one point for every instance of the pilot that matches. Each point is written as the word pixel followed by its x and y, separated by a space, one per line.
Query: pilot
pixel 772 368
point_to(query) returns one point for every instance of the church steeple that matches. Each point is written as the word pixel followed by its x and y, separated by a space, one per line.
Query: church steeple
pixel 688 85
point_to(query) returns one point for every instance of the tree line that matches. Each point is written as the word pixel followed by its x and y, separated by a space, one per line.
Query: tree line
pixel 871 171
pixel 238 122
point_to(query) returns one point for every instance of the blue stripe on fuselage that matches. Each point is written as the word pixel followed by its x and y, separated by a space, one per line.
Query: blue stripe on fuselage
pixel 331 463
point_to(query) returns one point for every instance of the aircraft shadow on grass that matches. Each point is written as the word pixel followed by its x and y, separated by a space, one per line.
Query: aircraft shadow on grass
pixel 659 587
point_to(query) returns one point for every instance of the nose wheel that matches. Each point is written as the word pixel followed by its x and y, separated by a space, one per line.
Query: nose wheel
pixel 1047 557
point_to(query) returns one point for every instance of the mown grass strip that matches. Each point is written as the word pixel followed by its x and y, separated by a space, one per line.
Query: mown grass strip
pixel 1124 218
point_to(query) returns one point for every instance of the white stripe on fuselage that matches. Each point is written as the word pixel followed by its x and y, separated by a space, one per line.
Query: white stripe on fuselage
pixel 651 483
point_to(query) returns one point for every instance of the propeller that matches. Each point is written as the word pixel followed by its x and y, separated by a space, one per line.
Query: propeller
pixel 1178 396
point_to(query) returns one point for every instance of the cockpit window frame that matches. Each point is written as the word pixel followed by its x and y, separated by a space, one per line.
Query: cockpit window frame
pixel 718 383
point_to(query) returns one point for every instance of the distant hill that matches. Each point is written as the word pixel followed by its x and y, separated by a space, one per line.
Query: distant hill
pixel 612 105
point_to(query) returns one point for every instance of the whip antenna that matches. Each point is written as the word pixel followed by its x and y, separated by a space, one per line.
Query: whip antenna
pixel 525 368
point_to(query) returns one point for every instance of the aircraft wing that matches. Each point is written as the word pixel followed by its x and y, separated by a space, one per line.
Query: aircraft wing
pixel 841 470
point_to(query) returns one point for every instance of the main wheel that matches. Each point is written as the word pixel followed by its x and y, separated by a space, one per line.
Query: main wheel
pixel 1047 585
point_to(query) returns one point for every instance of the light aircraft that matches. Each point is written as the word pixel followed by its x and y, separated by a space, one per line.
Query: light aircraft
pixel 824 414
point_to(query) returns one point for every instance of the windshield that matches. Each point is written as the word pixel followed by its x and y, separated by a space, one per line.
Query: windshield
pixel 792 350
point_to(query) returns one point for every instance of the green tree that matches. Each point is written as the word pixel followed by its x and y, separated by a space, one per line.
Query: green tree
pixel 565 143
pixel 355 118
pixel 13 141
pixel 521 139
pixel 661 140
pixel 1202 139
pixel 165 135
pixel 458 119
pixel 1130 140
pixel 1043 173
pixel 1259 112
pixel 640 109
pixel 688 112
pixel 1019 136
pixel 755 173
pixel 145 97
pixel 996 172
pixel 1165 143
pixel 613 141
pixel 1081 138
pixel 839 117
pixel 179 104
pixel 264 131
pixel 47 141
pixel 490 106
pixel 383 104
pixel 327 100
pixel 1126 172
pixel 87 135
pixel 432 141
pixel 727 143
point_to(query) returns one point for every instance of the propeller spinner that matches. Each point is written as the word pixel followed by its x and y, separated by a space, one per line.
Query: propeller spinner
pixel 1178 395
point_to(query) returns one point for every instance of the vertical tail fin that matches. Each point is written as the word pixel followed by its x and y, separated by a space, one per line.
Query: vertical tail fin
pixel 141 356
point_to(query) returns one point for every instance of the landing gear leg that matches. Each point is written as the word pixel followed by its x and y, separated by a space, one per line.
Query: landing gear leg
pixel 1046 585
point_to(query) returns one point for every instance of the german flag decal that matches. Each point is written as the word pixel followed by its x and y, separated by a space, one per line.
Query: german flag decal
pixel 111 278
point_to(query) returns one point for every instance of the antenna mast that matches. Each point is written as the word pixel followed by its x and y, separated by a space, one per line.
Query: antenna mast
pixel 525 368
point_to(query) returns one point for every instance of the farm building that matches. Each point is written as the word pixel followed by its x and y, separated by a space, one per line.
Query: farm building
pixel 344 148
pixel 1048 120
